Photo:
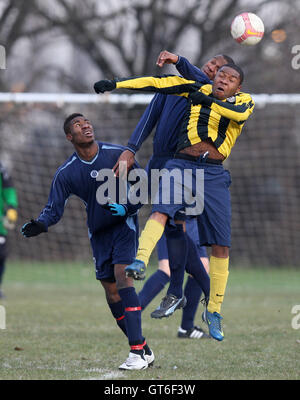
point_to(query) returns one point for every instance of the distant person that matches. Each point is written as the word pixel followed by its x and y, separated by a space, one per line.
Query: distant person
pixel 113 231
pixel 8 216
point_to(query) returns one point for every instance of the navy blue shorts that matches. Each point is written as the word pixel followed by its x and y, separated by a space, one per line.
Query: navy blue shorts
pixel 117 245
pixel 159 162
pixel 214 214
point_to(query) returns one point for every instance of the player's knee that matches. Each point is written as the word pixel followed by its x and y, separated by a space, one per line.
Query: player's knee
pixel 113 297
pixel 220 251
pixel 111 292
pixel 163 265
pixel 122 281
pixel 159 217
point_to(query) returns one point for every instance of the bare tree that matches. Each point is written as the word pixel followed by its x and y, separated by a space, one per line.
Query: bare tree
pixel 121 38
pixel 20 26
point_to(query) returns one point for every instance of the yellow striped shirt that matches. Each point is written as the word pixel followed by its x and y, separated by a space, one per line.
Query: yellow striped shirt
pixel 219 120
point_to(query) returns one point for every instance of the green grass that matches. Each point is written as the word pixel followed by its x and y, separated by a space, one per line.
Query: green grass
pixel 58 327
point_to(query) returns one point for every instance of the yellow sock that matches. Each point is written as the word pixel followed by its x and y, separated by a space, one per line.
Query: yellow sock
pixel 218 268
pixel 149 237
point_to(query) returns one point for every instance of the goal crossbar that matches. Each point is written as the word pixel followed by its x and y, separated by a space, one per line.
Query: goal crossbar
pixel 129 99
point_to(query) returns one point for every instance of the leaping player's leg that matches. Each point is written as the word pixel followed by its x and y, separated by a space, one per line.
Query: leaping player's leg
pixel 198 263
pixel 177 250
pixel 214 226
pixel 151 234
pixel 195 286
pixel 157 281
pixel 219 262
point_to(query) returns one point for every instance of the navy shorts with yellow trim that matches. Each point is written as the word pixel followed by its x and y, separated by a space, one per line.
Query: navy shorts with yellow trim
pixel 214 219
pixel 116 245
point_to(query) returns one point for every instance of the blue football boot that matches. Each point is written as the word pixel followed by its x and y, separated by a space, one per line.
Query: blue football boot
pixel 213 321
pixel 136 270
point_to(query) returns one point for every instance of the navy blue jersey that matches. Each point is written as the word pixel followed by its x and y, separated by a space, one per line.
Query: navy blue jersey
pixel 167 112
pixel 78 177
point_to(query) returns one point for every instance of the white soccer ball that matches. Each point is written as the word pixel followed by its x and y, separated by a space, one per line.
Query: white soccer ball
pixel 247 29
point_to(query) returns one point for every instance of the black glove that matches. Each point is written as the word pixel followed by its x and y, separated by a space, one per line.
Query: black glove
pixel 33 228
pixel 118 210
pixel 105 85
pixel 200 98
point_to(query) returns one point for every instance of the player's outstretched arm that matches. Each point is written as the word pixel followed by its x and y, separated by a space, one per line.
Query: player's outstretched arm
pixel 183 66
pixel 33 228
pixel 141 132
pixel 105 85
pixel 190 71
pixel 165 57
pixel 167 84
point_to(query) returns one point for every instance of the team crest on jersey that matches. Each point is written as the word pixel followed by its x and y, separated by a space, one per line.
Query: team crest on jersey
pixel 231 99
pixel 94 173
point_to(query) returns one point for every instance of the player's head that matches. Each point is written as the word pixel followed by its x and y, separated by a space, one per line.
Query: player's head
pixel 79 130
pixel 228 81
pixel 212 66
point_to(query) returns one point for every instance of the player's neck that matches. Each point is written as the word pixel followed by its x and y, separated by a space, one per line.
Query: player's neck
pixel 88 151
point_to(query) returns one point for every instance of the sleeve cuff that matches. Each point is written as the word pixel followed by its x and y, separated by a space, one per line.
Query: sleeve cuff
pixel 131 147
pixel 44 223
pixel 178 61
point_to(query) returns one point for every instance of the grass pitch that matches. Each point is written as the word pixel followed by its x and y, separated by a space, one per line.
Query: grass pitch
pixel 58 327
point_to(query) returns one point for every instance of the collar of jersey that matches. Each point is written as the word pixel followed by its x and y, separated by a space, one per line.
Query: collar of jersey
pixel 89 162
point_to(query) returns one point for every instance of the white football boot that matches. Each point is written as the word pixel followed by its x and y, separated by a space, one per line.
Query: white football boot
pixel 149 358
pixel 135 362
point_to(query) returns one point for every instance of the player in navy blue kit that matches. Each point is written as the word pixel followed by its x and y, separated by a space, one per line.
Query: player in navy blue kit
pixel 113 229
pixel 166 113
pixel 213 121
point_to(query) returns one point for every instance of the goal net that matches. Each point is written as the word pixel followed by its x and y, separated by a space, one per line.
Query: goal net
pixel 264 166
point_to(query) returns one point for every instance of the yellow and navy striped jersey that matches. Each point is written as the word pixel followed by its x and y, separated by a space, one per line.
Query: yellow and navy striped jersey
pixel 219 120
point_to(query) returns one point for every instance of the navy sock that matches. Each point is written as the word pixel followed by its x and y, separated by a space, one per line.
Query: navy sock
pixel 133 318
pixel 154 284
pixel 118 311
pixel 195 267
pixel 192 292
pixel 177 250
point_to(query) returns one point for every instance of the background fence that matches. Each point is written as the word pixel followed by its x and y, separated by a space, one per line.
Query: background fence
pixel 264 166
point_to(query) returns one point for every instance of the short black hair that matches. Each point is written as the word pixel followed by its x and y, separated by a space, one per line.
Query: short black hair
pixel 228 59
pixel 69 119
pixel 236 68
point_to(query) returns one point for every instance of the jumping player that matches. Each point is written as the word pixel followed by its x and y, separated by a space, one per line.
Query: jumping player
pixel 166 113
pixel 213 121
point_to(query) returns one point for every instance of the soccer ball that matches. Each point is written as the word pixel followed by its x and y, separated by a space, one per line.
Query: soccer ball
pixel 247 29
